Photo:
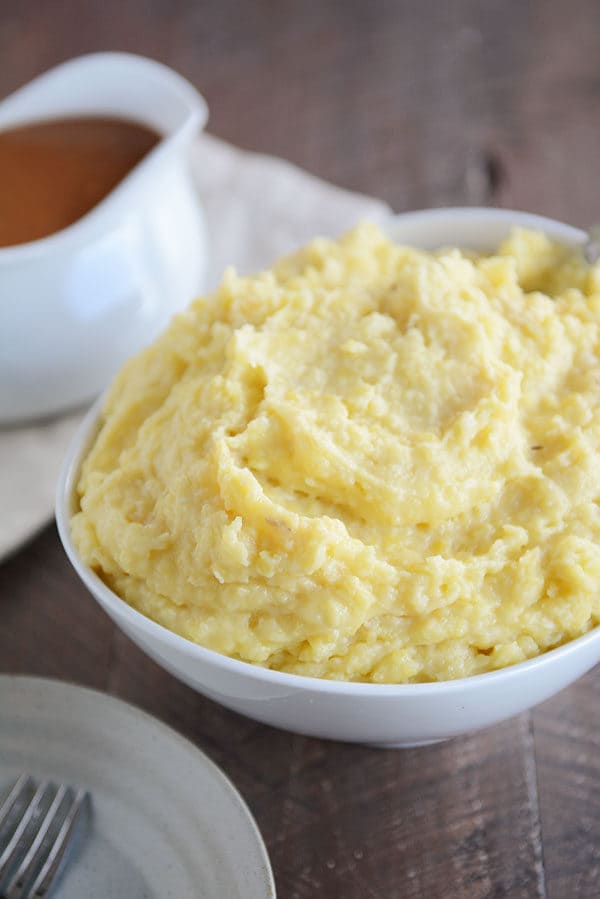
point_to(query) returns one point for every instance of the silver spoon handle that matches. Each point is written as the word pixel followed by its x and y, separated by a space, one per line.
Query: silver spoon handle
pixel 591 248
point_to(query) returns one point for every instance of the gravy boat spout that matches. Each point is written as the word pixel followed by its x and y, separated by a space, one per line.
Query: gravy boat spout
pixel 74 305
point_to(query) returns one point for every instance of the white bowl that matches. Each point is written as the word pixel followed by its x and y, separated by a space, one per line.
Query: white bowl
pixel 76 304
pixel 380 715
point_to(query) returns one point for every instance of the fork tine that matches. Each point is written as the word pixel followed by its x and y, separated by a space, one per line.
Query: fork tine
pixel 53 864
pixel 16 843
pixel 34 855
pixel 19 789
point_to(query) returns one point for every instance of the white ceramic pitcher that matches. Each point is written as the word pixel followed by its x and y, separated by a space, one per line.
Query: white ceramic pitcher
pixel 75 304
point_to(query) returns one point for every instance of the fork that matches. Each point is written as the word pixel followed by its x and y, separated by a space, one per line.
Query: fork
pixel 37 826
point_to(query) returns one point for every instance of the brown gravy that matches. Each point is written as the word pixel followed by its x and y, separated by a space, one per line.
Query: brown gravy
pixel 53 172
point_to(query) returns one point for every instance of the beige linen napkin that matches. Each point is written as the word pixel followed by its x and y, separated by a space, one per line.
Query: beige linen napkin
pixel 257 208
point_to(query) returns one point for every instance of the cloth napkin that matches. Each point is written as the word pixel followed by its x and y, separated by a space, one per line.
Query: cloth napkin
pixel 257 208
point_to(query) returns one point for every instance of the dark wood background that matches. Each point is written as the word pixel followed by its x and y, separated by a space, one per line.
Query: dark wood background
pixel 423 104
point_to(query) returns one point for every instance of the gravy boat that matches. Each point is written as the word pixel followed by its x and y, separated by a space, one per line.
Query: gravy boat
pixel 76 304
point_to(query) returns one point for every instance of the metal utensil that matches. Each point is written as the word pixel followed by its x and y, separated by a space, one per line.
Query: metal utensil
pixel 591 248
pixel 38 823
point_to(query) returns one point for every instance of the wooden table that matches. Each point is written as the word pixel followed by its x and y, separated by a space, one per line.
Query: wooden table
pixel 423 104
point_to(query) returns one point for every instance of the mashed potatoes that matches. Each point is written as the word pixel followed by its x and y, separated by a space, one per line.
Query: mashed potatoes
pixel 370 463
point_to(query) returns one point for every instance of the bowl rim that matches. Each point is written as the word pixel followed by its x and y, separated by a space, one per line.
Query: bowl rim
pixel 119 608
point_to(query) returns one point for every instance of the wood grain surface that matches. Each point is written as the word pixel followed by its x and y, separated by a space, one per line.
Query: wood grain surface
pixel 423 104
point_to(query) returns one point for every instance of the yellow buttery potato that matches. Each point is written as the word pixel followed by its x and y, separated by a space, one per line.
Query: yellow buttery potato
pixel 370 463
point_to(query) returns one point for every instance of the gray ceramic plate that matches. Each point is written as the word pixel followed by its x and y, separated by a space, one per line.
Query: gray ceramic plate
pixel 166 822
